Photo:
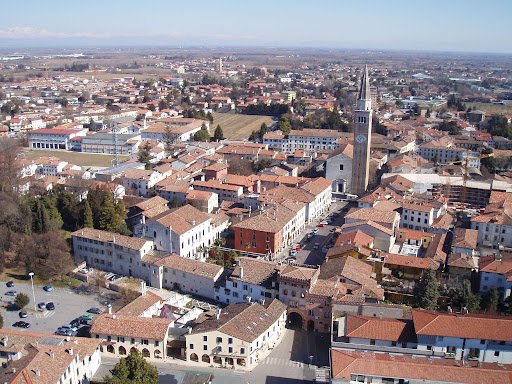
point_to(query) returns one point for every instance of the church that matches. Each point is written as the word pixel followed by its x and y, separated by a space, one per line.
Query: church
pixel 348 167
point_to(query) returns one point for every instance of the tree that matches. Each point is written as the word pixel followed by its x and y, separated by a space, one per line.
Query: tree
pixel 87 215
pixel 169 138
pixel 133 369
pixel 465 298
pixel 174 203
pixel 491 300
pixel 1 321
pixel 21 300
pixel 209 116
pixel 144 155
pixel 426 291
pixel 202 134
pixel 218 134
pixel 262 131
pixel 284 126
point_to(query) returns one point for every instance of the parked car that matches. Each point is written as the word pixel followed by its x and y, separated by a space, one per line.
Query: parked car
pixel 321 225
pixel 293 252
pixel 10 293
pixel 41 306
pixel 75 323
pixel 298 248
pixel 50 306
pixel 291 260
pixel 48 288
pixel 65 332
pixel 86 317
pixel 70 327
pixel 23 314
pixel 10 284
pixel 315 231
pixel 316 246
pixel 94 310
pixel 21 324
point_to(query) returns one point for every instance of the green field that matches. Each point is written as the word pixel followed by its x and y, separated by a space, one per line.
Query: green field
pixel 491 108
pixel 236 126
pixel 77 158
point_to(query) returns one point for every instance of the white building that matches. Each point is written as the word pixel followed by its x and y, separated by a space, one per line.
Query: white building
pixel 112 252
pixel 186 275
pixel 496 272
pixel 54 138
pixel 239 337
pixel 184 231
pixel 42 358
pixel 140 181
pixel 251 280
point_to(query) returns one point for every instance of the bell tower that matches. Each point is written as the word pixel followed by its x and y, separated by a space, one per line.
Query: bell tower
pixel 362 137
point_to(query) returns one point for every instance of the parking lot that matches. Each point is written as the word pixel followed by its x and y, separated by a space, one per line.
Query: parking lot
pixel 68 306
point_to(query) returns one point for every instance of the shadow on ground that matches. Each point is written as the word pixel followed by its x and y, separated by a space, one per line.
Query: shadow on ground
pixel 281 380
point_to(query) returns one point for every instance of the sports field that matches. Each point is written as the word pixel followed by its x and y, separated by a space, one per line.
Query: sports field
pixel 236 126
pixel 77 158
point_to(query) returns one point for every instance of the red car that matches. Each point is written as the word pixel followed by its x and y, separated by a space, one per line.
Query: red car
pixel 298 248
pixel 320 225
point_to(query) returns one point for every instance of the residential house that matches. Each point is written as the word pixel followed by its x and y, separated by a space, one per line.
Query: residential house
pixel 239 336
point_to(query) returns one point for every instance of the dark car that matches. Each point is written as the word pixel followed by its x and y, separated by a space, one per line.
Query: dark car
pixel 75 323
pixel 94 310
pixel 10 284
pixel 41 306
pixel 10 293
pixel 48 288
pixel 50 306
pixel 21 324
pixel 23 314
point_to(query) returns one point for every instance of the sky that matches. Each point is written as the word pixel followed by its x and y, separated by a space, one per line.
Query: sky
pixel 431 25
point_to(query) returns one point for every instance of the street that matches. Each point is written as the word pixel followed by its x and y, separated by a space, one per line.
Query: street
pixel 311 254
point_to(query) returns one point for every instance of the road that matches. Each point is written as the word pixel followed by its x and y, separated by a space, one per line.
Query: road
pixel 68 305
pixel 311 254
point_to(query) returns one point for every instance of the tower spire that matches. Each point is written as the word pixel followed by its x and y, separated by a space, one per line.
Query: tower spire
pixel 364 98
pixel 364 89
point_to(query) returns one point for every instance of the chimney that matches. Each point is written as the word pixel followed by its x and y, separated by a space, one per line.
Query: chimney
pixel 109 309
pixel 241 272
pixel 114 316
pixel 52 355
pixel 38 372
pixel 70 351
pixel 193 222
pixel 218 313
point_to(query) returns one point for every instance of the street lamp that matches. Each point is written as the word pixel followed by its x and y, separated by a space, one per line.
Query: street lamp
pixel 31 274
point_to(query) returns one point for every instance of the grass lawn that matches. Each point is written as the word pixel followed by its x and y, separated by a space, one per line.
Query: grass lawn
pixel 77 158
pixel 19 275
pixel 491 108
pixel 236 126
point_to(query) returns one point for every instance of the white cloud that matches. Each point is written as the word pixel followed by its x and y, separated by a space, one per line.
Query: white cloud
pixel 35 33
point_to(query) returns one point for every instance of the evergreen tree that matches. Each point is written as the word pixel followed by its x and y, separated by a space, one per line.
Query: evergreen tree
pixel 209 116
pixel 21 300
pixel 202 134
pixel 169 138
pixel 426 291
pixel 87 215
pixel 465 298
pixel 490 301
pixel 145 155
pixel 133 369
pixel 262 131
pixel 218 134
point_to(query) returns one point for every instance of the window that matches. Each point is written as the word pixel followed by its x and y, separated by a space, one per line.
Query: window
pixel 393 343
pixel 429 347
pixel 205 347
pixel 205 338
pixel 496 353
pixel 145 341
pixel 242 351
pixel 157 343
pixel 191 346
pixel 132 341
pixel 219 340
pixel 341 167
pixel 482 341
pixel 120 339
pixel 230 349
pixel 230 340
pixel 372 341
